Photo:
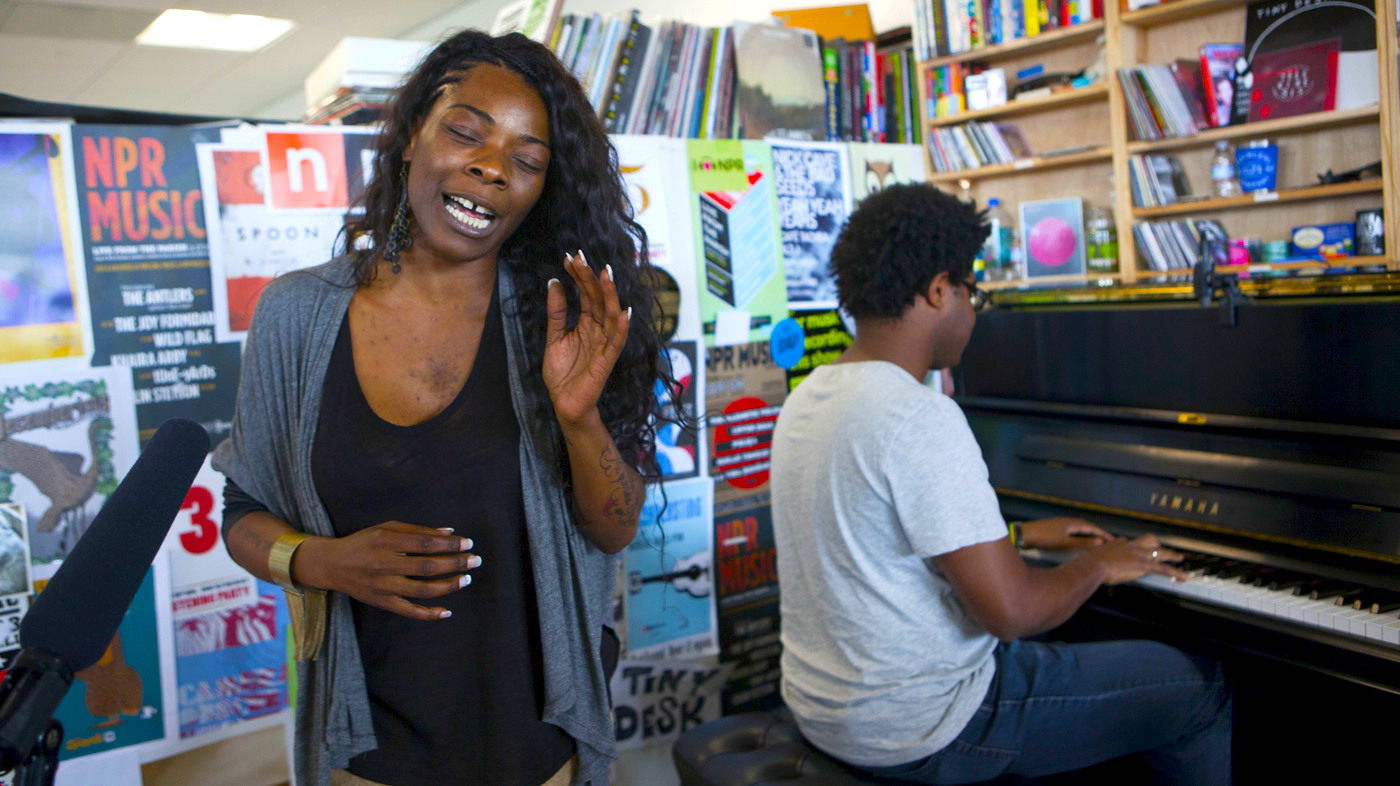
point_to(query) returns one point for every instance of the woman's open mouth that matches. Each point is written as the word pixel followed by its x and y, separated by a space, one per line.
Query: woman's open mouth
pixel 468 213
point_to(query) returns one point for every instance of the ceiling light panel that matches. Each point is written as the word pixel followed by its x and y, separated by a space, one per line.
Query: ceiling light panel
pixel 224 32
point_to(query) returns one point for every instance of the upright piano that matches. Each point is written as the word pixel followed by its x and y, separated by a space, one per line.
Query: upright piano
pixel 1262 439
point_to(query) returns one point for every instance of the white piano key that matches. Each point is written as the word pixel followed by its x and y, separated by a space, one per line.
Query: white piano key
pixel 1390 631
pixel 1343 616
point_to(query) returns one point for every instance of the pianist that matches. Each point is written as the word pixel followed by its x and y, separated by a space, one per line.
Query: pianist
pixel 904 601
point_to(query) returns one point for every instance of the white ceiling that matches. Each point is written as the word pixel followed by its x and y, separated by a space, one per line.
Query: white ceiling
pixel 82 51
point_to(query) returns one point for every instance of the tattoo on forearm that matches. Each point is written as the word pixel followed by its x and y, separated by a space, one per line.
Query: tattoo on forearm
pixel 622 499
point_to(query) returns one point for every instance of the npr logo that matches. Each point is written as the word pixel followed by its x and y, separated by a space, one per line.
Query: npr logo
pixel 310 170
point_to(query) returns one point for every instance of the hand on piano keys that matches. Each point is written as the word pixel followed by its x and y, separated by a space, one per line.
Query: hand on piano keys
pixel 1129 560
pixel 1062 533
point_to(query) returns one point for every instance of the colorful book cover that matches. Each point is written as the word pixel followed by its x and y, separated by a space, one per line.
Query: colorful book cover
pixel 1272 27
pixel 739 264
pixel 780 87
pixel 814 198
pixel 43 287
pixel 1053 237
pixel 1296 81
pixel 1218 79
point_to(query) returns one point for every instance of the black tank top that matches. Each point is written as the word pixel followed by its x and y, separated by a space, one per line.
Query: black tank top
pixel 455 701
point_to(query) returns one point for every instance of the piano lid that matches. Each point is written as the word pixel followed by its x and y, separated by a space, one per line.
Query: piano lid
pixel 1284 428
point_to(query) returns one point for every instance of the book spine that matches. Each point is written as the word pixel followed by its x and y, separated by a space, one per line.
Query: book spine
pixel 1030 13
pixel 831 81
pixel 940 27
pixel 625 83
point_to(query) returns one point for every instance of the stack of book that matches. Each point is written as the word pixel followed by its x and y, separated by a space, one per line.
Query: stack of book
pixel 351 106
pixel 1168 245
pixel 353 85
pixel 872 91
pixel 1157 180
pixel 973 145
pixel 947 88
pixel 1165 100
pixel 950 27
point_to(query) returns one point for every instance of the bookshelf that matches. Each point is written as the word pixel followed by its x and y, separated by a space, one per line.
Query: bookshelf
pixel 1096 117
pixel 1102 153
pixel 1259 199
pixel 1057 100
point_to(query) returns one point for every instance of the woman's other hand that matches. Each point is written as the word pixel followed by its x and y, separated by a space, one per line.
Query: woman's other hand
pixel 388 565
pixel 577 362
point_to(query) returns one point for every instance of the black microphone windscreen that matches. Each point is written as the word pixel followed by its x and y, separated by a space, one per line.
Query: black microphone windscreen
pixel 78 613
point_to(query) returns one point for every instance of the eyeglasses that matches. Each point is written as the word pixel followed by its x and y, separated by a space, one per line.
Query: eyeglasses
pixel 980 299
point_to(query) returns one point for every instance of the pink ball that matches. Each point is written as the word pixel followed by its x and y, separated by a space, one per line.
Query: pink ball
pixel 1052 242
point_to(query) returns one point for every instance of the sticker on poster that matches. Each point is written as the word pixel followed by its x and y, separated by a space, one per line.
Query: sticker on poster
pixel 825 340
pixel 43 291
pixel 670 574
pixel 317 168
pixel 655 701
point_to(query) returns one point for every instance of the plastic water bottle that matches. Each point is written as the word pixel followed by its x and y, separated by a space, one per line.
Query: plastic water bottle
pixel 1223 175
pixel 996 253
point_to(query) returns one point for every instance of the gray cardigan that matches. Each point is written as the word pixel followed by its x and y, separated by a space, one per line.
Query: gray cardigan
pixel 268 454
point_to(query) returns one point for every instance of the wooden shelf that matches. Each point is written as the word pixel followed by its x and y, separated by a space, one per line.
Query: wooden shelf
pixel 1262 199
pixel 1284 125
pixel 1062 37
pixel 1082 95
pixel 1031 283
pixel 1267 267
pixel 1036 164
pixel 1176 10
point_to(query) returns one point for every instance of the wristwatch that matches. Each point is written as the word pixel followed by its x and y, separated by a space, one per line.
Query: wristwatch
pixel 1016 537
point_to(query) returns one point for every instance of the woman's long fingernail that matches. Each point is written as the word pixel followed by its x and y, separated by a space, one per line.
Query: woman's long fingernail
pixel 629 313
pixel 552 282
pixel 444 614
pixel 474 562
pixel 467 544
pixel 464 581
pixel 446 530
pixel 608 268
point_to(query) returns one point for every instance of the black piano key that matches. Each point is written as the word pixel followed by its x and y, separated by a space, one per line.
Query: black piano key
pixel 1258 577
pixel 1308 586
pixel 1381 602
pixel 1345 598
pixel 1284 580
pixel 1215 569
pixel 1236 571
pixel 1330 590
pixel 1386 607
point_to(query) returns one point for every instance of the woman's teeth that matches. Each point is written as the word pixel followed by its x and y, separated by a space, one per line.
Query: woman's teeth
pixel 455 207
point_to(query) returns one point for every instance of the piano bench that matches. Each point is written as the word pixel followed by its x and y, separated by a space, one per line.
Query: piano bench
pixel 766 748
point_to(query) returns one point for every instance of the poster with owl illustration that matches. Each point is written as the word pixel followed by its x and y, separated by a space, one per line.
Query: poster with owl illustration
pixel 652 166
pixel 875 167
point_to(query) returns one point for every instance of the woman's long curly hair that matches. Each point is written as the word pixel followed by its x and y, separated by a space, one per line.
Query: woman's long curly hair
pixel 583 206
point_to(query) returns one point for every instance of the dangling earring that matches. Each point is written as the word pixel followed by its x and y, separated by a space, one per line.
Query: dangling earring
pixel 399 238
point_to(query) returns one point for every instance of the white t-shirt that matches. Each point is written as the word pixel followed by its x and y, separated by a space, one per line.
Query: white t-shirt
pixel 872 474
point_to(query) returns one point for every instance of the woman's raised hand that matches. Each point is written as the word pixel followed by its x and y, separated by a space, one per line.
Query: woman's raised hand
pixel 577 362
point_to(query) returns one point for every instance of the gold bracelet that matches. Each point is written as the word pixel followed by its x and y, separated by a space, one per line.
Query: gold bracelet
pixel 279 559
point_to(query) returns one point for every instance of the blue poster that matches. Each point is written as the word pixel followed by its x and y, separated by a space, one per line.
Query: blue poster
pixel 669 584
pixel 231 664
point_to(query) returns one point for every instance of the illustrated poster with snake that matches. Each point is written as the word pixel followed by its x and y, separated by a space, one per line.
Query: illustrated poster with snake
pixel 669 574
pixel 66 440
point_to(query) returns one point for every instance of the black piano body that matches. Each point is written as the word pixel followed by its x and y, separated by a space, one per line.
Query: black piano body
pixel 1268 450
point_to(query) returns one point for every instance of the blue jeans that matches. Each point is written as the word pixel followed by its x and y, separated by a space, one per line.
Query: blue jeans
pixel 1059 707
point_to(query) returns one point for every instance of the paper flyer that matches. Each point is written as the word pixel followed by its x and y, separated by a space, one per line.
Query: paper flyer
pixel 669 574
pixel 229 627
pixel 148 273
pixel 43 291
pixel 317 168
pixel 651 167
pixel 738 246
pixel 655 701
pixel 66 438
pixel 825 338
pixel 680 453
pixel 747 595
pixel 814 197
pixel 250 245
pixel 745 390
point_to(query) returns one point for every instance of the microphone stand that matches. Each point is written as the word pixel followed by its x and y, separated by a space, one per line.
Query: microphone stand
pixel 30 737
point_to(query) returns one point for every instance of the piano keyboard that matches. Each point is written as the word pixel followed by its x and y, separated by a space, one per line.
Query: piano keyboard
pixel 1338 606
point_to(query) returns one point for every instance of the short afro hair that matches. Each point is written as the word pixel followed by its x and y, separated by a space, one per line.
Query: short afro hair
pixel 897 241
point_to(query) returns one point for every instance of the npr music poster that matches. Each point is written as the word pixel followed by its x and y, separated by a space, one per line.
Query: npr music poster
pixel 147 256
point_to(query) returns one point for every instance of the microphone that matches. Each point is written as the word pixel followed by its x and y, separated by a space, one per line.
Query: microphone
pixel 72 622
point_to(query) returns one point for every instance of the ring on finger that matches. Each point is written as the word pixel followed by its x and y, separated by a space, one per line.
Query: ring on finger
pixel 1154 555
